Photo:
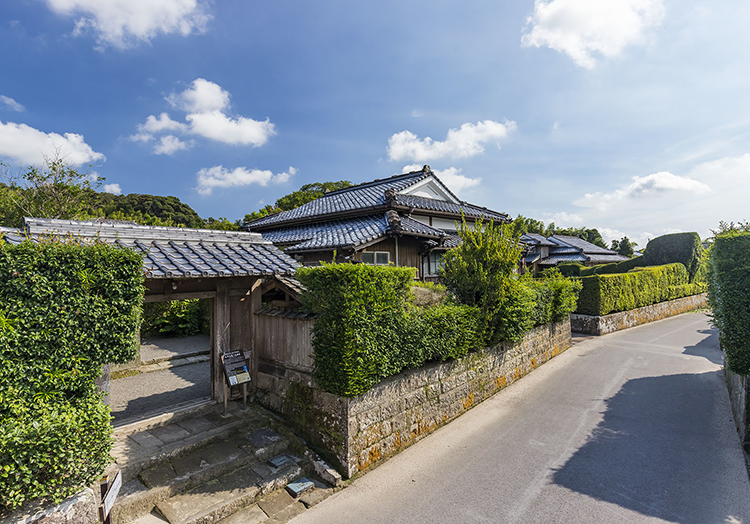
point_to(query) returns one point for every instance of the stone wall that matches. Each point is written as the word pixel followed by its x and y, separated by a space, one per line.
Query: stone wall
pixel 601 325
pixel 78 509
pixel 739 396
pixel 355 433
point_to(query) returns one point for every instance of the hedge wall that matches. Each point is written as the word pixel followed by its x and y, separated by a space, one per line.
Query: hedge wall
pixel 604 294
pixel 65 310
pixel 676 247
pixel 729 296
pixel 368 328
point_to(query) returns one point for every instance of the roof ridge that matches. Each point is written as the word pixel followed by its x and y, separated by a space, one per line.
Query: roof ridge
pixel 374 182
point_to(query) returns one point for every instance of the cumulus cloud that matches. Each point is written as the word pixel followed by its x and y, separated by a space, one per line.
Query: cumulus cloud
pixel 580 28
pixel 12 104
pixel 563 219
pixel 126 23
pixel 207 107
pixel 464 142
pixel 112 188
pixel 170 144
pixel 645 186
pixel 25 145
pixel 221 177
pixel 452 177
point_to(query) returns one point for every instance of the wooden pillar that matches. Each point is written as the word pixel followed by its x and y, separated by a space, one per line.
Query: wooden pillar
pixel 220 338
pixel 256 303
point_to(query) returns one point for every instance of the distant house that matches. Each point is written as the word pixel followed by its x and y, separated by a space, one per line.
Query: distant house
pixel 408 220
pixel 542 253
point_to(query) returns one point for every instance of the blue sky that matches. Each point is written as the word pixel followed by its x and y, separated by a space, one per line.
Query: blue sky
pixel 632 116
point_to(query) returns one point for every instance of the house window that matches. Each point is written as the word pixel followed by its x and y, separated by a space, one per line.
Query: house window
pixel 377 258
pixel 434 262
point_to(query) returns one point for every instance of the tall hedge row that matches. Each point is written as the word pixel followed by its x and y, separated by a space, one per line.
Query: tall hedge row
pixel 368 328
pixel 676 247
pixel 65 309
pixel 604 294
pixel 729 296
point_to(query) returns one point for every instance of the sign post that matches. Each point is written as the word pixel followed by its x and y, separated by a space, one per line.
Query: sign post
pixel 109 492
pixel 235 372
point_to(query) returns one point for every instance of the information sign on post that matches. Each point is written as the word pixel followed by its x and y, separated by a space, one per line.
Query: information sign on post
pixel 109 492
pixel 235 368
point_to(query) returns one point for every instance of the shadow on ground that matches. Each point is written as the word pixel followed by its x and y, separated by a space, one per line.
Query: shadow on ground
pixel 650 456
pixel 707 348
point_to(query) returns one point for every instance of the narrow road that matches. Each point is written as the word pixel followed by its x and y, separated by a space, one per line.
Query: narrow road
pixel 627 428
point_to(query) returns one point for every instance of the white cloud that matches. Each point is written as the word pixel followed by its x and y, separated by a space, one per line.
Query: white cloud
pixel 656 184
pixel 170 144
pixel 206 105
pixel 452 177
pixel 563 219
pixel 115 189
pixel 218 176
pixel 126 23
pixel 416 113
pixel 25 145
pixel 15 106
pixel 467 141
pixel 580 28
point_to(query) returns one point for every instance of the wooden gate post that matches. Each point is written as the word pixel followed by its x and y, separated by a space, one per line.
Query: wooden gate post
pixel 219 337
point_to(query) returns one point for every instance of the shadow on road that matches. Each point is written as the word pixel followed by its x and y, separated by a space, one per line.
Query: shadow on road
pixel 707 348
pixel 651 452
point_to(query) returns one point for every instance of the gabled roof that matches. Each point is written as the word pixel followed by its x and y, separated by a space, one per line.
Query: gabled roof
pixel 349 232
pixel 573 249
pixel 536 239
pixel 170 252
pixel 579 244
pixel 371 197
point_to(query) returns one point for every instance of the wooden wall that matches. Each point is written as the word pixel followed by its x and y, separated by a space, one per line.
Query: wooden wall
pixel 408 251
pixel 285 341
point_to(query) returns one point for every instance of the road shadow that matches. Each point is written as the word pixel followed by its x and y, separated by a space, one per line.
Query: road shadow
pixel 654 452
pixel 195 385
pixel 707 348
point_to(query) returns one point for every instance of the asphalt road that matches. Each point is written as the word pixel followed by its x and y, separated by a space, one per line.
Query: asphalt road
pixel 627 428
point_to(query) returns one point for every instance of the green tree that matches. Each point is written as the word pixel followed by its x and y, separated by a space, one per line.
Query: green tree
pixel 623 246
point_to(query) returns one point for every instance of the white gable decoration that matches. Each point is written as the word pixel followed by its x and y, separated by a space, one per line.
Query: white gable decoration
pixel 429 188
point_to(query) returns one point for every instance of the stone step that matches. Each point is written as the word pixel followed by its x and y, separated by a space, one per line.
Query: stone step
pixel 227 494
pixel 184 472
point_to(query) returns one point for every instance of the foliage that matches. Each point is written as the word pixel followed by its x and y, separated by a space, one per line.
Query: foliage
pixel 221 223
pixel 147 209
pixel 729 295
pixel 676 247
pixel 302 196
pixel 624 246
pixel 176 318
pixel 610 293
pixel 67 309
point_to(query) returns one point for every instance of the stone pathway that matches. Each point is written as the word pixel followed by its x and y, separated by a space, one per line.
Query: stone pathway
pixel 155 350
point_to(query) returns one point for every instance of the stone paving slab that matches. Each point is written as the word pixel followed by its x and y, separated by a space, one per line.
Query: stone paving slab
pixel 286 514
pixel 147 440
pixel 275 502
pixel 151 518
pixel 315 496
pixel 188 464
pixel 250 515
pixel 170 433
pixel 196 425
pixel 158 476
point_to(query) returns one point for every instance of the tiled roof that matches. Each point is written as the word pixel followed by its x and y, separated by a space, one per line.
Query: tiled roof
pixel 345 232
pixel 175 252
pixel 371 196
pixel 606 258
pixel 536 239
pixel 580 244
pixel 553 260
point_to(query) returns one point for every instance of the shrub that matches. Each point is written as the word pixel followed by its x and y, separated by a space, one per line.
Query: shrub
pixel 604 294
pixel 729 296
pixel 676 247
pixel 178 318
pixel 66 309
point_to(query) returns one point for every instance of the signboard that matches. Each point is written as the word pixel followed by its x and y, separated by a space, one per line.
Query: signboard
pixel 109 494
pixel 235 367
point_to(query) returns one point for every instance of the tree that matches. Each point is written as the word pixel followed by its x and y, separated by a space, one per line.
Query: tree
pixel 302 196
pixel 55 190
pixel 624 246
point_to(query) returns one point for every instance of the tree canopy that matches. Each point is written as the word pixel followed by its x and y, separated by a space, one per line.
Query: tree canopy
pixel 303 195
pixel 523 225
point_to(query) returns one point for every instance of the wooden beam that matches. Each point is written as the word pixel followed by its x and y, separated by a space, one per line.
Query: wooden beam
pixel 239 292
pixel 179 296
pixel 220 338
pixel 256 302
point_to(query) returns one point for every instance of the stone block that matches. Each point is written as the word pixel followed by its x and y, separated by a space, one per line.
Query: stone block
pixel 327 473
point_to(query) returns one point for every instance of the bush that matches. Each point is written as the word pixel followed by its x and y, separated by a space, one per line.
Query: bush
pixel 178 318
pixel 604 294
pixel 65 310
pixel 729 296
pixel 676 247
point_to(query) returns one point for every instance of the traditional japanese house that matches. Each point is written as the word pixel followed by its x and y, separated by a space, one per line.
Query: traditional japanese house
pixel 542 253
pixel 408 220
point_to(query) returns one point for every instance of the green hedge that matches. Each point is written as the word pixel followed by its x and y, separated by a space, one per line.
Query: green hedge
pixel 368 327
pixel 65 310
pixel 676 247
pixel 577 270
pixel 604 294
pixel 176 318
pixel 729 296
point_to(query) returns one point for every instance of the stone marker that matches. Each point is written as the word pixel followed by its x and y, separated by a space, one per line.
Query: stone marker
pixel 299 487
pixel 282 460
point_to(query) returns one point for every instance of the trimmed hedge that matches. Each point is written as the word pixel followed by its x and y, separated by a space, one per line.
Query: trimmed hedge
pixel 368 328
pixel 729 296
pixel 676 247
pixel 578 270
pixel 604 294
pixel 65 310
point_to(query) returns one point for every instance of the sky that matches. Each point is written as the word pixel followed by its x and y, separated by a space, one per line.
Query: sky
pixel 630 116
